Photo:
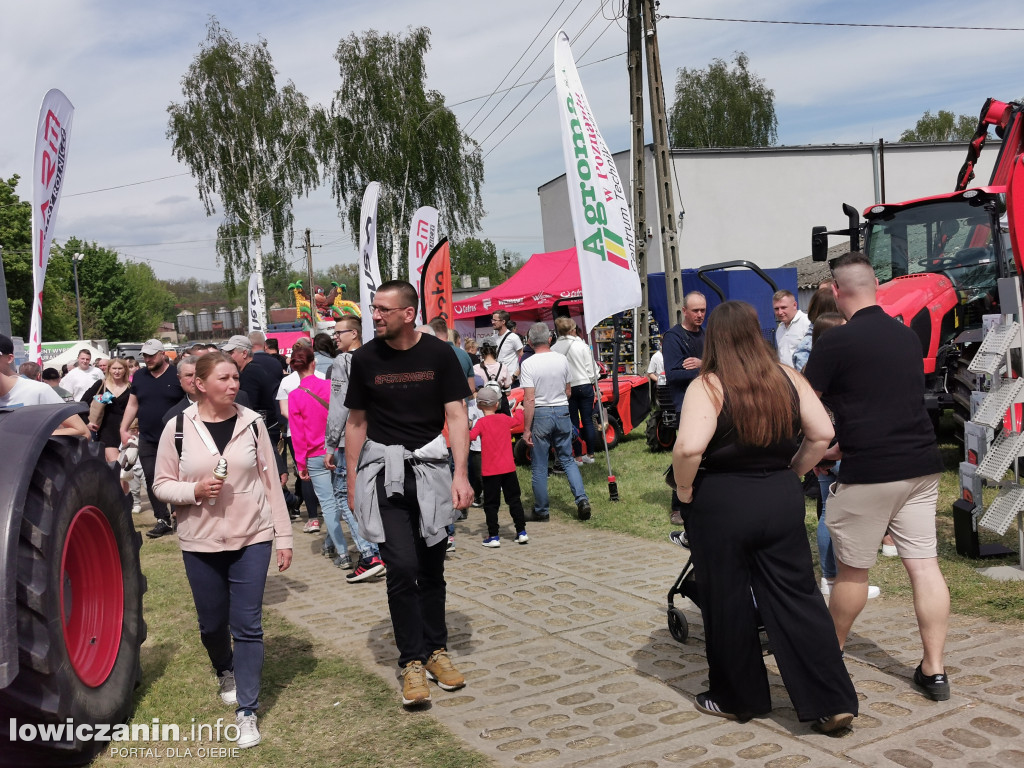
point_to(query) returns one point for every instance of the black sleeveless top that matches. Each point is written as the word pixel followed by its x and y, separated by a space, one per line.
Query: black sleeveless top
pixel 725 453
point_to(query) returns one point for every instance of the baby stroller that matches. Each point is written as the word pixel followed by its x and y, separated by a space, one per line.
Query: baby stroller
pixel 687 586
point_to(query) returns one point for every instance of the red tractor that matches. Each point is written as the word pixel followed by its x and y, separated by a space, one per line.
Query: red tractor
pixel 938 259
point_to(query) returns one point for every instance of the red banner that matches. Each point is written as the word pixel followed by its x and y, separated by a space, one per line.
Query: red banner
pixel 436 298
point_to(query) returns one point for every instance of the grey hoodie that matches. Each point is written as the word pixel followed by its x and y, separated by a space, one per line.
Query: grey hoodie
pixel 337 414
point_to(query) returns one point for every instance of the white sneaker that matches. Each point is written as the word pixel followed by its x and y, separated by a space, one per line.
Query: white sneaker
pixel 226 681
pixel 826 586
pixel 522 538
pixel 873 591
pixel 137 509
pixel 248 733
pixel 585 459
pixel 888 550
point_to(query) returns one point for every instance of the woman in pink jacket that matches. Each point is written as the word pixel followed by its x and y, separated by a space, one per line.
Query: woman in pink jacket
pixel 226 524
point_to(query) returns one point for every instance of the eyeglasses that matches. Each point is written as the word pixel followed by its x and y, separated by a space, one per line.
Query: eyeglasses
pixel 347 330
pixel 385 310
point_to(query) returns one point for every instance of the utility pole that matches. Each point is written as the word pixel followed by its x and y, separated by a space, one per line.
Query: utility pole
pixel 634 41
pixel 662 170
pixel 312 291
pixel 5 307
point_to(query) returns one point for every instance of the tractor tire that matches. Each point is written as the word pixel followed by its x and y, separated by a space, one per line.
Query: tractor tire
pixel 522 453
pixel 613 434
pixel 659 437
pixel 79 605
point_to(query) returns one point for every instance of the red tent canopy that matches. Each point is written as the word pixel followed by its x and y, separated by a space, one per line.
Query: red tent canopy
pixel 544 278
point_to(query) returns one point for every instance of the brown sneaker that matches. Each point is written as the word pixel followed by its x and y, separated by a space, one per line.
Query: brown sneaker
pixel 441 670
pixel 414 684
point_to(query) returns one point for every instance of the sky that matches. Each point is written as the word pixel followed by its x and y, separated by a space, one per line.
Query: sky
pixel 121 64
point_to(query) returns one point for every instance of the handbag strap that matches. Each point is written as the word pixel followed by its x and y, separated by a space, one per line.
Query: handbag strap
pixel 315 396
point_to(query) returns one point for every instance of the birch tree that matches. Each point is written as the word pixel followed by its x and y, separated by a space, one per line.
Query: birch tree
pixel 247 142
pixel 384 125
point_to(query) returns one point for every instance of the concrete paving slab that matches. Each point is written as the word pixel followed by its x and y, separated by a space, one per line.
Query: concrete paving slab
pixel 569 662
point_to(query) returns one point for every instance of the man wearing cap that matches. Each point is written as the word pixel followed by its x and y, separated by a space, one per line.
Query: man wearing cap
pixel 17 391
pixel 82 376
pixel 256 383
pixel 154 390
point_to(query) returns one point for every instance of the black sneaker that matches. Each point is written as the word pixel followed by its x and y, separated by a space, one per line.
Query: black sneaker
pixel 583 509
pixel 833 724
pixel 935 686
pixel 680 539
pixel 162 528
pixel 366 569
pixel 537 518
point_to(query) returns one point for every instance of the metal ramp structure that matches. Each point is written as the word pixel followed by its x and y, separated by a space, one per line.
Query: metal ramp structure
pixel 999 413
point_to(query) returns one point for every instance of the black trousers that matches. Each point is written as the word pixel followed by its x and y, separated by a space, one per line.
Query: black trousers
pixel 494 486
pixel 747 534
pixel 416 585
pixel 147 457
pixel 475 475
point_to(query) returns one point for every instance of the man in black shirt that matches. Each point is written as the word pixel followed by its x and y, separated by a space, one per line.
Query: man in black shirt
pixel 154 390
pixel 682 347
pixel 262 358
pixel 253 379
pixel 402 386
pixel 869 373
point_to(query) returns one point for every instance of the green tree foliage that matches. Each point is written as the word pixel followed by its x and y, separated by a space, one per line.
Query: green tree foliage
pixel 723 107
pixel 120 301
pixel 479 258
pixel 16 240
pixel 384 125
pixel 247 142
pixel 945 126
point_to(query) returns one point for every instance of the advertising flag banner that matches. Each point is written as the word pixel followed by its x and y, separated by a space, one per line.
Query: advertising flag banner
pixel 49 166
pixel 436 298
pixel 422 239
pixel 257 302
pixel 369 265
pixel 601 219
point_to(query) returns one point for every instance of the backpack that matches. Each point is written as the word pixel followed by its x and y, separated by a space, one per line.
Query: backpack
pixel 492 383
pixel 179 432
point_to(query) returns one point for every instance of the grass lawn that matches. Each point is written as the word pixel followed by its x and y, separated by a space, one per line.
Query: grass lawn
pixel 642 511
pixel 317 708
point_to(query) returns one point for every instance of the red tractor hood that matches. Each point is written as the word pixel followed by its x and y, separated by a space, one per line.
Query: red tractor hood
pixel 905 296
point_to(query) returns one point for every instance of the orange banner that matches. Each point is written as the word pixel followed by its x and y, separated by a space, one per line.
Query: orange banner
pixel 436 298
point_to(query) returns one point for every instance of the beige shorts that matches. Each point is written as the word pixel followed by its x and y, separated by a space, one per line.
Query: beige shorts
pixel 859 514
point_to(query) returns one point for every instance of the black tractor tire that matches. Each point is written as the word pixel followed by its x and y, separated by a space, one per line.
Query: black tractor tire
pixel 522 453
pixel 659 437
pixel 79 604
pixel 613 434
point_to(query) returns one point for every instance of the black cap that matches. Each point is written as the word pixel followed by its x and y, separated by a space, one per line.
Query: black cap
pixel 6 345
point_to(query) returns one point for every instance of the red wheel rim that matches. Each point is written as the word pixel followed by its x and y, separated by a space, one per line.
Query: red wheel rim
pixel 91 596
pixel 609 433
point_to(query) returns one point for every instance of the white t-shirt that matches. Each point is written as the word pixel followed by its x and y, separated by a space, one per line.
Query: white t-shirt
pixel 288 384
pixel 28 392
pixel 508 353
pixel 78 381
pixel 548 373
pixel 657 366
pixel 786 339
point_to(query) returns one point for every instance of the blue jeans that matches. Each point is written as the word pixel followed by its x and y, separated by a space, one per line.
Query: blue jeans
pixel 581 410
pixel 551 428
pixel 826 556
pixel 227 588
pixel 366 549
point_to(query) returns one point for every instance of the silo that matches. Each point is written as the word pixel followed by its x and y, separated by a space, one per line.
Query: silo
pixel 204 322
pixel 186 322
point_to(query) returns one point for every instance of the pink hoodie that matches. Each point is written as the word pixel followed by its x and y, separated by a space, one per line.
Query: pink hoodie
pixel 307 419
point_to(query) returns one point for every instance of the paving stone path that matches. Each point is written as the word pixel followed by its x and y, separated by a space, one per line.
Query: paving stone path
pixel 569 662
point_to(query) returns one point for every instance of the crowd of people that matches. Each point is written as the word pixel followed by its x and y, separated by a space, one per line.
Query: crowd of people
pixel 397 438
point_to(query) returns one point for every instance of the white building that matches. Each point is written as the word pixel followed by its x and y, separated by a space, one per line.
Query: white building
pixel 760 204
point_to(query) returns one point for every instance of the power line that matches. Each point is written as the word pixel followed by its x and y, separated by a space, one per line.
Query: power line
pixel 550 67
pixel 845 24
pixel 539 53
pixel 541 101
pixel 130 184
pixel 510 69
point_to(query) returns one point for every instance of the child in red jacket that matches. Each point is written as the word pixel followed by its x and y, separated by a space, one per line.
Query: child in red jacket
pixel 498 467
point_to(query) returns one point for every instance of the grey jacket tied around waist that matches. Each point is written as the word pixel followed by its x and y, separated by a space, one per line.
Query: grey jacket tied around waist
pixel 433 487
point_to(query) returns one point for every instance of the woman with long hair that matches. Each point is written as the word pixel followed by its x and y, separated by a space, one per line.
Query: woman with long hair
pixel 489 369
pixel 220 473
pixel 115 382
pixel 737 467
pixel 324 350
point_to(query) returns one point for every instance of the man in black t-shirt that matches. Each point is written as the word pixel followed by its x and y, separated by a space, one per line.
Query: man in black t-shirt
pixel 869 373
pixel 154 390
pixel 403 385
